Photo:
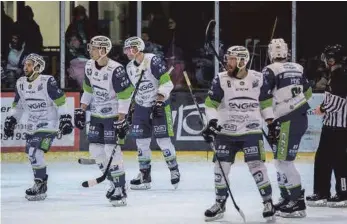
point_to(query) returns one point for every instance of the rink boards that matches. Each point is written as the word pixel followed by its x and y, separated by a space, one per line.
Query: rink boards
pixel 184 156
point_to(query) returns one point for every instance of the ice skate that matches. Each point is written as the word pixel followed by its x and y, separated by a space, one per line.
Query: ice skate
pixel 281 203
pixel 142 181
pixel 316 200
pixel 175 177
pixel 294 209
pixel 111 190
pixel 38 191
pixel 216 211
pixel 337 201
pixel 118 199
pixel 269 211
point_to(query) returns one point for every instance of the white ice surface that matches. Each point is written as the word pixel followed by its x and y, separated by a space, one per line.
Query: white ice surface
pixel 68 202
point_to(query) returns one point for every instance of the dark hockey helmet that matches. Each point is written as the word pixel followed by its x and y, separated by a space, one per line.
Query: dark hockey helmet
pixel 332 52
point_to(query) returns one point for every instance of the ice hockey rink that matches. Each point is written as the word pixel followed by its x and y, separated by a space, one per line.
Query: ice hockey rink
pixel 69 202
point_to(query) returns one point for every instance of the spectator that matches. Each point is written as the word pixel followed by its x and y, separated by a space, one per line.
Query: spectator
pixel 204 64
pixel 30 30
pixel 157 28
pixel 81 25
pixel 6 31
pixel 174 56
pixel 77 57
pixel 151 47
pixel 15 59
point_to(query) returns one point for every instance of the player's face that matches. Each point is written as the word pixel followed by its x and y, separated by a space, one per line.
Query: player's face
pixel 94 52
pixel 28 67
pixel 130 52
pixel 231 62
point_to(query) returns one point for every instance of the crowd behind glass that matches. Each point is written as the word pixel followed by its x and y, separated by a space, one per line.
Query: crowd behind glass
pixel 162 36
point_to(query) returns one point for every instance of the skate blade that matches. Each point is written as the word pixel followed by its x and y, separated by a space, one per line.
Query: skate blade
pixel 320 203
pixel 175 186
pixel 119 203
pixel 341 204
pixel 218 216
pixel 296 214
pixel 141 187
pixel 39 197
pixel 270 219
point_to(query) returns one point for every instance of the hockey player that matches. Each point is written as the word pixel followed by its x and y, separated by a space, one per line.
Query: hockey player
pixel 39 97
pixel 151 111
pixel 233 112
pixel 290 93
pixel 107 90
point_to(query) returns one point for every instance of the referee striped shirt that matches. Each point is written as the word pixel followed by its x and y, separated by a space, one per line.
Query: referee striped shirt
pixel 335 100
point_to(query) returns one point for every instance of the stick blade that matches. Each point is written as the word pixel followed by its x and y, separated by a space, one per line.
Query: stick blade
pixel 242 215
pixel 85 161
pixel 90 183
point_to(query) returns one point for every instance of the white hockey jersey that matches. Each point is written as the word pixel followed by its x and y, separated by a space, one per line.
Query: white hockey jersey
pixel 155 79
pixel 289 87
pixel 236 103
pixel 42 103
pixel 107 90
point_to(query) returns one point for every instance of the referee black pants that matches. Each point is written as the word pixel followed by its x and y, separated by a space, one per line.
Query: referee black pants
pixel 331 156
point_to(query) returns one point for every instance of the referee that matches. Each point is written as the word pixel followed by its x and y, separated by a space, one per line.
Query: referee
pixel 331 154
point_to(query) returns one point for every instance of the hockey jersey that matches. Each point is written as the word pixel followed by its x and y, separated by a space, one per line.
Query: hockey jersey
pixel 155 79
pixel 41 101
pixel 290 89
pixel 236 103
pixel 107 90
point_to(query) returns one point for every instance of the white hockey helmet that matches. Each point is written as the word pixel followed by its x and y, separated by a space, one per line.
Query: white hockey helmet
pixel 134 42
pixel 240 53
pixel 277 49
pixel 100 42
pixel 39 62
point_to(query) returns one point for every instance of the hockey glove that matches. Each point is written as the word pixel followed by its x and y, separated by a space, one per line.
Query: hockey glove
pixel 211 130
pixel 10 124
pixel 65 124
pixel 80 118
pixel 158 109
pixel 274 132
pixel 121 128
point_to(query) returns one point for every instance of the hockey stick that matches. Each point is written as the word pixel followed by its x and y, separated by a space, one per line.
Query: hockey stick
pixel 272 36
pixel 213 147
pixel 91 183
pixel 90 161
pixel 211 45
pixel 255 42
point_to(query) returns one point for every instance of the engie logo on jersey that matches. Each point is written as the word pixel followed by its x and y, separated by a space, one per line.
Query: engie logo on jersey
pixel 244 106
pixel 146 86
pixel 38 105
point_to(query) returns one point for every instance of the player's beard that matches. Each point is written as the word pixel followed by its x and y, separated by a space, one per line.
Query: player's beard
pixel 31 75
pixel 232 72
pixel 236 72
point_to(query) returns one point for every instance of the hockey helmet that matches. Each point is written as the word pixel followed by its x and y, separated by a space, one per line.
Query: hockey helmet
pixel 278 49
pixel 100 42
pixel 134 42
pixel 39 62
pixel 332 51
pixel 240 53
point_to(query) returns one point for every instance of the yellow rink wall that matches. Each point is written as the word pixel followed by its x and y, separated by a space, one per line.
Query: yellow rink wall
pixel 184 156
